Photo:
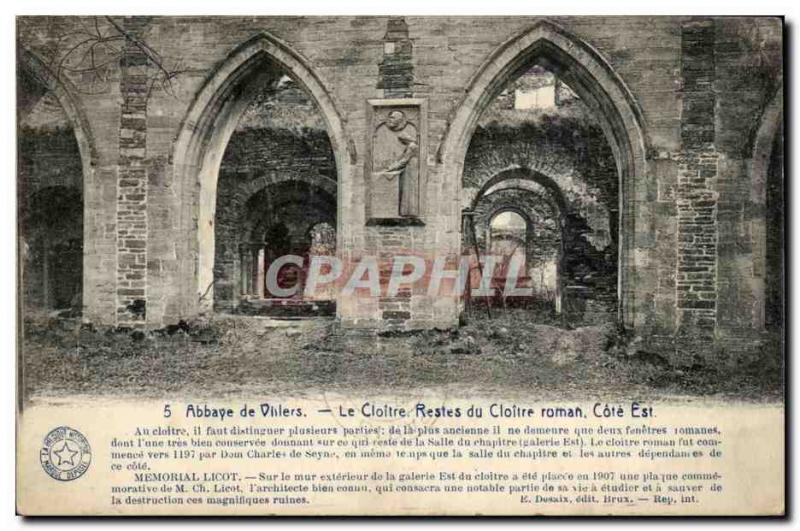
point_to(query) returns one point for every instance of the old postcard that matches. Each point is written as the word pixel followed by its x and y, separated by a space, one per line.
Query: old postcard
pixel 400 265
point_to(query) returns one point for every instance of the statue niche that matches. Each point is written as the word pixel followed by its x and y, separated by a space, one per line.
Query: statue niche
pixel 395 162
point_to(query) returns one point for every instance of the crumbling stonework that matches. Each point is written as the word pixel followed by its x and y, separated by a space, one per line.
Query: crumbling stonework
pixel 687 107
pixel 396 71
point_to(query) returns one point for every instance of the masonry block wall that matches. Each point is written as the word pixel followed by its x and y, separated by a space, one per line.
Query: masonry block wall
pixel 697 235
pixel 662 73
pixel 132 179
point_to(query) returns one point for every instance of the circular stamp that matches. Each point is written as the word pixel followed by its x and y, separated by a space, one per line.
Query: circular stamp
pixel 65 454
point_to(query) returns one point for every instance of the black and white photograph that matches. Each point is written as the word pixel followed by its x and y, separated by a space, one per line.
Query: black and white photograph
pixel 535 263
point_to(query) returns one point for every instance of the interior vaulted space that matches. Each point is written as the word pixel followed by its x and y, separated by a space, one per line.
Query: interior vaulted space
pixel 276 193
pixel 539 158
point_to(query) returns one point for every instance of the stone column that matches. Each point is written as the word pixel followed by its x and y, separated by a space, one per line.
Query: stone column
pixel 132 181
pixel 697 176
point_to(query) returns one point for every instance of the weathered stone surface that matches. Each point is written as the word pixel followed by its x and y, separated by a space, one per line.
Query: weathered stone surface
pixel 683 103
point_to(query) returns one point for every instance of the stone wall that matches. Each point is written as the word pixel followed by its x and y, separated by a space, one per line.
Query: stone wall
pixel 132 234
pixel 696 196
pixel 647 77
pixel 748 123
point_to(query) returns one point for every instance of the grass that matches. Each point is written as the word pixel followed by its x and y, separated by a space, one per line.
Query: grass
pixel 238 356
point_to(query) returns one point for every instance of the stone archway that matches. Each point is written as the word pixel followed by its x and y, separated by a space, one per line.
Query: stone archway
pixel 523 174
pixel 204 135
pixel 64 93
pixel 504 208
pixel 582 231
pixel 594 80
pixel 244 251
pixel 67 192
pixel 540 188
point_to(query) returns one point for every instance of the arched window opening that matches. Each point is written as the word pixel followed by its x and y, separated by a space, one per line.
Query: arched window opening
pixel 267 73
pixel 508 234
pixel 539 139
pixel 50 202
pixel 276 179
pixel 290 226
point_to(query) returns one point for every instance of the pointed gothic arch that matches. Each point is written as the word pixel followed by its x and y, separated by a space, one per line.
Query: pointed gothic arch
pixel 204 135
pixel 591 76
pixel 65 94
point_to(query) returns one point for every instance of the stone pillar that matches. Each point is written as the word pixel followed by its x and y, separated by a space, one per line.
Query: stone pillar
pixel 394 226
pixel 260 273
pixel 697 175
pixel 132 181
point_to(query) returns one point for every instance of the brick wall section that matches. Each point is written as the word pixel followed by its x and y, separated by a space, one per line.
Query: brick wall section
pixel 697 172
pixel 396 70
pixel 398 311
pixel 132 183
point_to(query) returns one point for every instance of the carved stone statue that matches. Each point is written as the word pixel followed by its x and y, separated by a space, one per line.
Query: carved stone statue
pixel 396 164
